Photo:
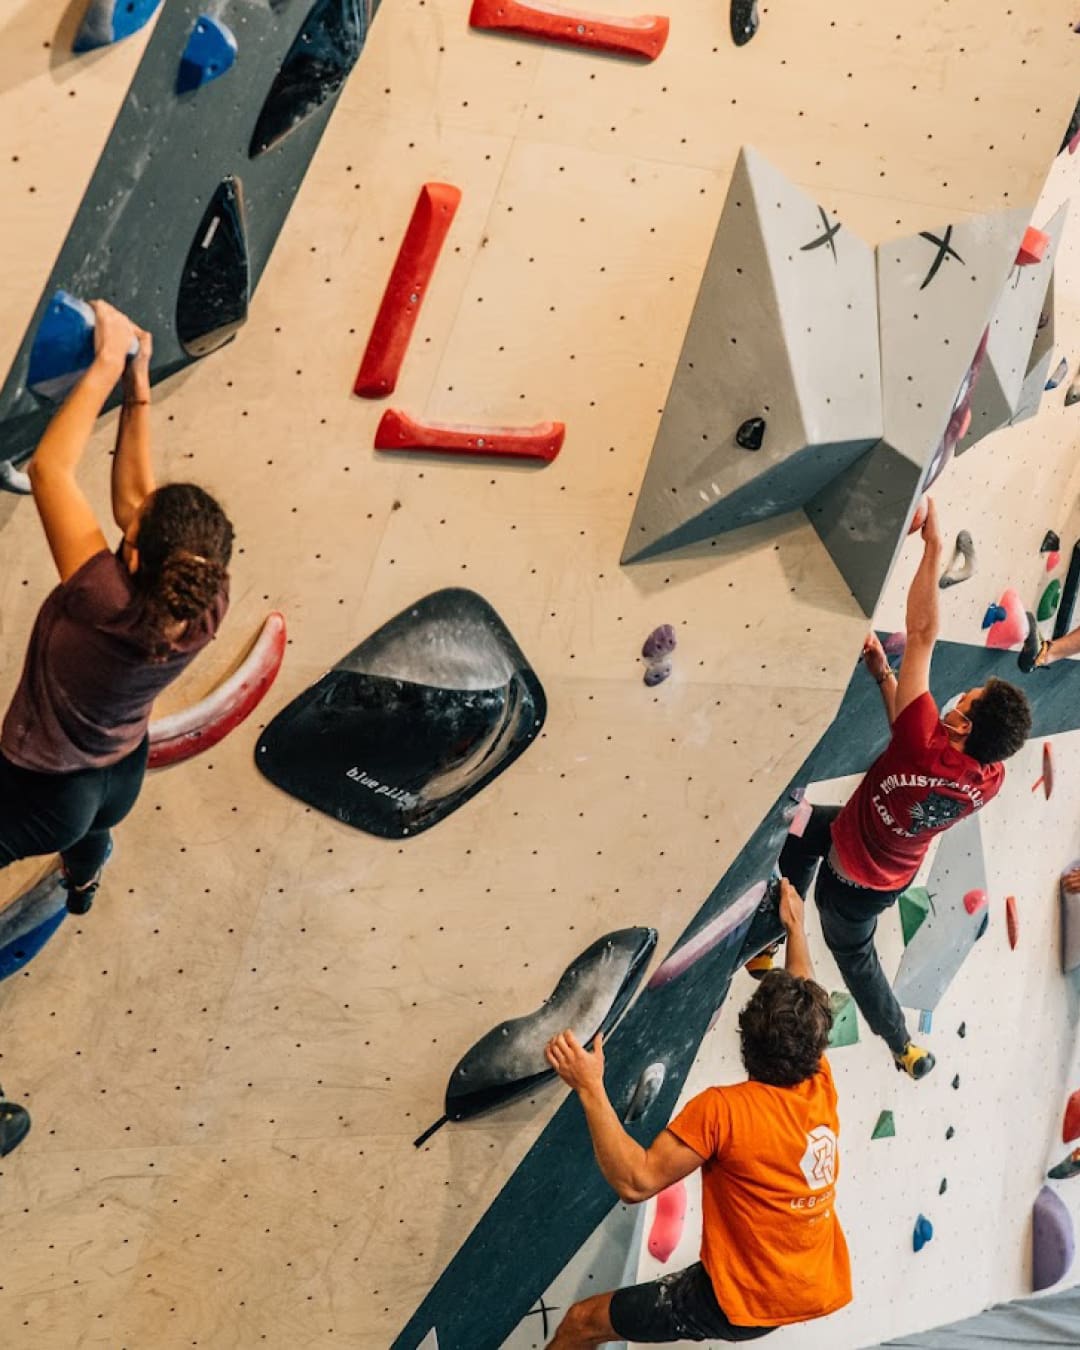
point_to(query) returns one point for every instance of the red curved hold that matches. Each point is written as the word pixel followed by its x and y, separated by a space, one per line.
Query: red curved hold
pixel 974 901
pixel 1070 1125
pixel 1012 921
pixel 644 35
pixel 197 728
pixel 419 252
pixel 398 431
pixel 667 1224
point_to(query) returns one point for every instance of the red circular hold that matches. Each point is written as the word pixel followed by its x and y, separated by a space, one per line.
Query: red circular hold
pixel 974 901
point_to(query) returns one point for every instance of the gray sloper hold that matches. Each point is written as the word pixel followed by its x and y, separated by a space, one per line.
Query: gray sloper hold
pixel 784 325
pixel 962 564
pixel 936 293
pixel 1072 394
pixel 1014 330
pixel 645 1092
pixel 947 934
pixel 590 996
pixel 1038 364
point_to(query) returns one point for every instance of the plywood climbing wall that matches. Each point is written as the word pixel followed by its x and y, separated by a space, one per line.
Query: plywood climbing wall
pixel 228 1059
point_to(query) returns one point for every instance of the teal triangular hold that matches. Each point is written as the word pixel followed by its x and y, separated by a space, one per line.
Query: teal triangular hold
pixel 845 1027
pixel 914 907
pixel 885 1127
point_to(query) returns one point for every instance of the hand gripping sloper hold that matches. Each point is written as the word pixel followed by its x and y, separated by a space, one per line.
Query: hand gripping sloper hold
pixel 63 347
pixel 644 35
pixel 409 280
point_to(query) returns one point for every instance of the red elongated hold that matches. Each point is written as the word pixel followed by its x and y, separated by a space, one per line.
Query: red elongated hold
pixel 667 1224
pixel 398 431
pixel 1048 769
pixel 974 901
pixel 644 35
pixel 1070 1125
pixel 419 252
pixel 1012 921
pixel 197 728
pixel 1032 247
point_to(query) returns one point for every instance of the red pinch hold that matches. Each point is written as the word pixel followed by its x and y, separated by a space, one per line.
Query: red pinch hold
pixel 643 35
pixel 419 252
pixel 1012 921
pixel 398 431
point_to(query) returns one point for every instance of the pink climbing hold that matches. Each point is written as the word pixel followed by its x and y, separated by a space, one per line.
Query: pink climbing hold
pixel 1053 1242
pixel 895 644
pixel 1012 921
pixel 1070 1125
pixel 800 818
pixel 974 901
pixel 1046 779
pixel 667 1224
pixel 1032 247
pixel 1012 629
pixel 717 930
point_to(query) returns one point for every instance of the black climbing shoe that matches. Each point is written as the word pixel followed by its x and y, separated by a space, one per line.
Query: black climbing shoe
pixel 81 898
pixel 1033 652
pixel 14 1126
pixel 915 1061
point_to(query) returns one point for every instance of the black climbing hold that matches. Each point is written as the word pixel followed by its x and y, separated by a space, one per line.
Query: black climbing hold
pixel 983 926
pixel 315 67
pixel 744 21
pixel 591 995
pixel 961 1030
pixel 956 1081
pixel 411 723
pixel 751 434
pixel 949 1132
pixel 943 1187
pixel 1051 543
pixel 215 285
pixel 14 1126
pixel 1073 129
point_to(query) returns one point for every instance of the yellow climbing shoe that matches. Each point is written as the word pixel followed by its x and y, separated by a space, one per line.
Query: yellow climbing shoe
pixel 915 1061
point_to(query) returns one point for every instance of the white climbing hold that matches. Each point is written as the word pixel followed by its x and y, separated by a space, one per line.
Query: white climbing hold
pixel 962 565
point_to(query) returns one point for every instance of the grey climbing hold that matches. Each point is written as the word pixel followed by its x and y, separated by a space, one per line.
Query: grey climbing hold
pixel 656 673
pixel 14 480
pixel 1060 371
pixel 210 52
pixel 744 21
pixel 751 433
pixel 645 1093
pixel 962 565
pixel 1072 394
pixel 1053 1243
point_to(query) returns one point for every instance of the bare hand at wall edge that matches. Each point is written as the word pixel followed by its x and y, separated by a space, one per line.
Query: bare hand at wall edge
pixel 114 334
pixel 137 370
pixel 874 658
pixel 792 909
pixel 931 530
pixel 574 1064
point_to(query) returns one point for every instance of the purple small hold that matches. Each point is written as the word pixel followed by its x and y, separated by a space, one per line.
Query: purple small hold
pixel 660 642
pixel 895 644
pixel 657 672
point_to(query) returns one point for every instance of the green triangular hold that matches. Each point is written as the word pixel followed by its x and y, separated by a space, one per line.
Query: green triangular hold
pixel 885 1127
pixel 914 907
pixel 845 1027
pixel 1049 602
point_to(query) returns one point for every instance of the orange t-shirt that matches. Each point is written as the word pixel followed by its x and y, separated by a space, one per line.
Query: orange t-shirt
pixel 770 1238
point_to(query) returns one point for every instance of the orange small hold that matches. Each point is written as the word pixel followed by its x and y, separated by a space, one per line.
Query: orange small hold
pixel 1070 1126
pixel 1012 921
pixel 1032 247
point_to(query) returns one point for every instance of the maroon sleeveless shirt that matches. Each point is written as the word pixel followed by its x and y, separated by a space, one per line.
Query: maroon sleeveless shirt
pixel 90 680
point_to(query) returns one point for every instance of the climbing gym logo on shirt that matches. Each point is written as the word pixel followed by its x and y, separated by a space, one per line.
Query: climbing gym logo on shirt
pixel 818 1163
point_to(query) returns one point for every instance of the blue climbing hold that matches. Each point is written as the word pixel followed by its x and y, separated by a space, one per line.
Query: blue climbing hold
pixel 1060 371
pixel 109 21
pixel 29 921
pixel 63 346
pixel 924 1231
pixel 994 614
pixel 210 52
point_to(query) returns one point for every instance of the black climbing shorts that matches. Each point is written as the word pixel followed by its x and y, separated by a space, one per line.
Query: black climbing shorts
pixel 677 1307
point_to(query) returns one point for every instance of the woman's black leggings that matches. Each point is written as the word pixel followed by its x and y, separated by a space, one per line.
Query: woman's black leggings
pixel 67 813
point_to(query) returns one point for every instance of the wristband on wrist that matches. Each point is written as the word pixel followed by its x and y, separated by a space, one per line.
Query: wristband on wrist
pixel 889 673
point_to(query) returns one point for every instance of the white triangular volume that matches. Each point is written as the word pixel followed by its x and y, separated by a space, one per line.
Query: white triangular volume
pixel 936 295
pixel 945 937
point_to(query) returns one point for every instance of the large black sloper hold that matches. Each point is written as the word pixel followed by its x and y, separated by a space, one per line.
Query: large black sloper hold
pixel 412 723
pixel 318 63
pixel 215 285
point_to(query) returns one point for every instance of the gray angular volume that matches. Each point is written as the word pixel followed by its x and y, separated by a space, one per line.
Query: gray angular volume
pixel 784 329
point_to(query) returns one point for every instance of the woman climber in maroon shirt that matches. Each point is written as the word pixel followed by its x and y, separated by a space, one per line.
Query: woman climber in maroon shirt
pixel 118 628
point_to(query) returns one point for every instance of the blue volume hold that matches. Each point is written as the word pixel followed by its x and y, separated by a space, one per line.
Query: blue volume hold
pixel 210 52
pixel 109 21
pixel 63 346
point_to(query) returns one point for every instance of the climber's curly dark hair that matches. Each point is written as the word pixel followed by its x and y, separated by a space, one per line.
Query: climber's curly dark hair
pixel 784 1029
pixel 185 545
pixel 1000 722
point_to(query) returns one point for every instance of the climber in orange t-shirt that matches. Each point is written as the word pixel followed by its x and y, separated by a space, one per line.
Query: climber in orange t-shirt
pixel 772 1250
